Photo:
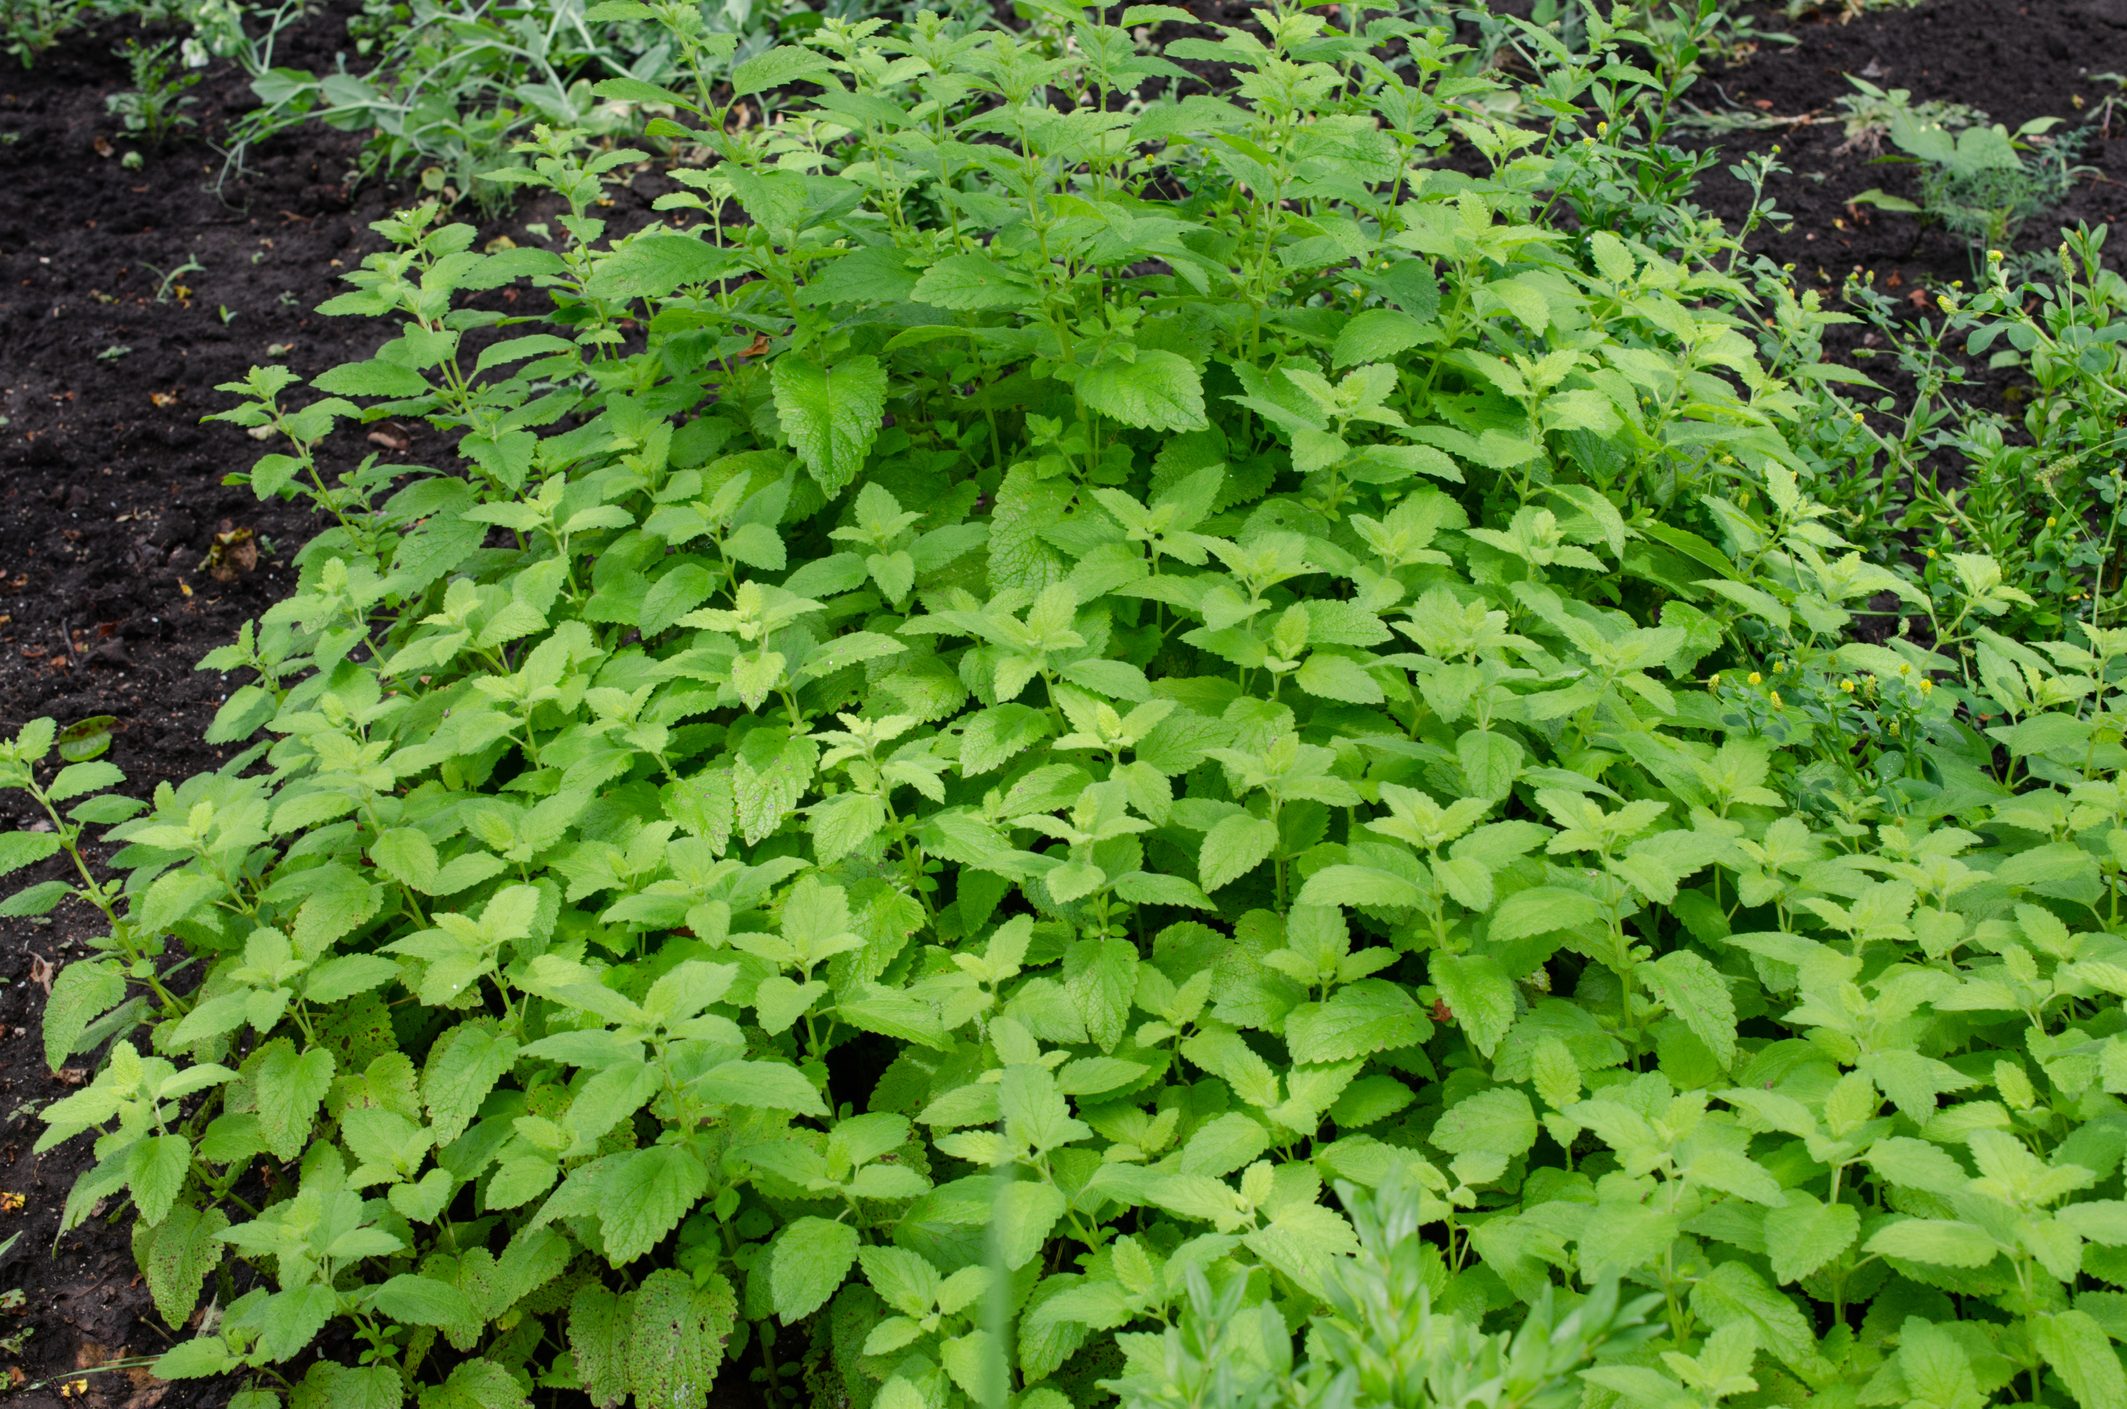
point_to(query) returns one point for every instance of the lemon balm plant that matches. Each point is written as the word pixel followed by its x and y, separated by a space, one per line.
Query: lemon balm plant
pixel 1061 708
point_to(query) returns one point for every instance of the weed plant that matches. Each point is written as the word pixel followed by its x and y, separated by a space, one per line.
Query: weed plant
pixel 153 107
pixel 1066 727
pixel 445 87
pixel 2037 490
pixel 1980 181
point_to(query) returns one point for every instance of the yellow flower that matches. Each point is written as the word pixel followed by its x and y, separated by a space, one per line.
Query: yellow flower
pixel 1926 685
pixel 1846 687
pixel 1779 667
pixel 1994 256
pixel 1904 669
pixel 1756 679
pixel 1931 555
pixel 2051 521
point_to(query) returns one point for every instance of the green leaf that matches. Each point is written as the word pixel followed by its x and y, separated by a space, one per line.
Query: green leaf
pixel 1025 1213
pixel 422 1301
pixel 599 1326
pixel 971 282
pixel 155 1170
pixel 1233 847
pixel 376 378
pixel 1101 977
pixel 1732 1292
pixel 831 415
pixel 1358 1020
pixel 676 1338
pixel 463 1066
pixel 806 1263
pixel 1155 391
pixel 88 738
pixel 1333 677
pixel 194 1359
pixel 477 1384
pixel 80 779
pixel 645 1197
pixel 777 67
pixel 2081 1355
pixel 1377 335
pixel 1692 988
pixel 1805 1235
pixel 1496 1122
pixel 1361 886
pixel 1940 1241
pixel 175 1256
pixel 289 1087
pixel 771 1086
pixel 1479 993
pixel 407 856
pixel 84 991
pixel 654 263
pixel 20 849
pixel 1543 910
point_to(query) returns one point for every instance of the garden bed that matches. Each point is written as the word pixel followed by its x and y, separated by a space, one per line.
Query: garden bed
pixel 131 294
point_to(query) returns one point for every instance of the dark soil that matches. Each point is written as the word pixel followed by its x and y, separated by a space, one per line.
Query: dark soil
pixel 2013 59
pixel 111 494
pixel 111 504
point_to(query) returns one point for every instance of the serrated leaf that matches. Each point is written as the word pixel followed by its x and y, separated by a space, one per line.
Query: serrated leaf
pixel 645 1196
pixel 84 991
pixel 970 282
pixel 1024 1214
pixel 808 1260
pixel 777 67
pixel 155 1170
pixel 676 1338
pixel 1233 847
pixel 175 1257
pixel 20 849
pixel 1692 988
pixel 1157 390
pixel 289 1088
pixel 1805 1235
pixel 1543 910
pixel 2082 1356
pixel 1941 1241
pixel 599 1322
pixel 1357 1020
pixel 1496 1122
pixel 830 414
pixel 1479 994
pixel 422 1301
pixel 463 1066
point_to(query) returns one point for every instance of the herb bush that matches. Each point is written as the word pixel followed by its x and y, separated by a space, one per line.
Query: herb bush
pixel 1069 727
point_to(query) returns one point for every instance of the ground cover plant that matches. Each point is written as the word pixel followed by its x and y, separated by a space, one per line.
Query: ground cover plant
pixel 444 87
pixel 1076 743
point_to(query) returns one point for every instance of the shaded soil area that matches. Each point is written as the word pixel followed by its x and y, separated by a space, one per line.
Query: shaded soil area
pixel 127 295
pixel 2014 60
